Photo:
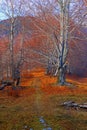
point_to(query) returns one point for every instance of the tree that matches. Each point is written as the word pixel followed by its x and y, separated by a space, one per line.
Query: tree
pixel 63 45
pixel 11 9
pixel 68 14
pixel 51 26
pixel 61 48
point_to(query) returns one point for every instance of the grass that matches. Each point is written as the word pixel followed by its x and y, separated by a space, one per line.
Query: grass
pixel 40 98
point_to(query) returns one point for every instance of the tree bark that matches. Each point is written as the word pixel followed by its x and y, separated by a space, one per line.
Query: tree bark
pixel 63 45
pixel 61 75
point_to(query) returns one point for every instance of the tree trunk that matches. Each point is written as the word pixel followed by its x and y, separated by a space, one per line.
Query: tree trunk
pixel 61 76
pixel 11 47
pixel 63 45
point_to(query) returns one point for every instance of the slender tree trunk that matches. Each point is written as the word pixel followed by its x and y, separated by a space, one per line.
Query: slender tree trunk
pixel 11 47
pixel 63 45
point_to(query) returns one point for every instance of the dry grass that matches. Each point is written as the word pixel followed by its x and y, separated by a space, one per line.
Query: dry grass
pixel 40 97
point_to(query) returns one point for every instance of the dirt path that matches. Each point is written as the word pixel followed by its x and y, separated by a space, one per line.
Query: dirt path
pixel 39 105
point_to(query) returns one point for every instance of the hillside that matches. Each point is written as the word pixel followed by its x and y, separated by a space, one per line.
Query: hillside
pixel 35 43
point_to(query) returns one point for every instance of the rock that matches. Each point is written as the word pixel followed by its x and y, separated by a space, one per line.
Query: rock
pixel 49 128
pixel 71 104
pixel 67 103
pixel 42 120
pixel 25 126
pixel 84 106
pixel 30 129
pixel 44 128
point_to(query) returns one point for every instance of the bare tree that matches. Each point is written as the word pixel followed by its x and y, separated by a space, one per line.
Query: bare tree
pixel 63 44
pixel 65 12
pixel 52 26
pixel 11 9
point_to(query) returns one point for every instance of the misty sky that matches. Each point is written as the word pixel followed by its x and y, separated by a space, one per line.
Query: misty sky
pixel 2 16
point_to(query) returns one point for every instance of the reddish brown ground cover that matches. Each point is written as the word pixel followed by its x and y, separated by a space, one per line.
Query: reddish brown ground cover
pixel 38 78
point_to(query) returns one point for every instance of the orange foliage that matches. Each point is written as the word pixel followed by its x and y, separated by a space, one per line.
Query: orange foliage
pixel 14 93
pixel 47 84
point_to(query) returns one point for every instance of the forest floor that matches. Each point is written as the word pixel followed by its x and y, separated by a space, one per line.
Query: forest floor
pixel 37 105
